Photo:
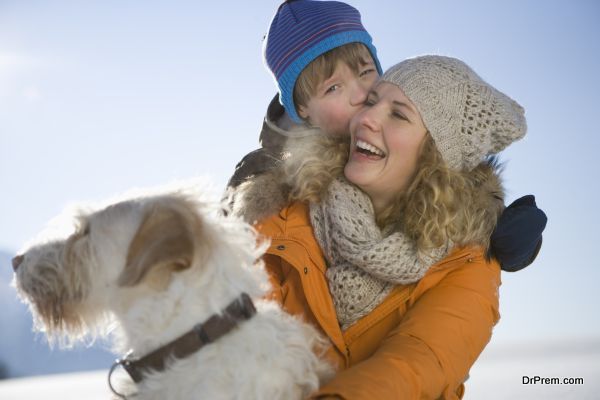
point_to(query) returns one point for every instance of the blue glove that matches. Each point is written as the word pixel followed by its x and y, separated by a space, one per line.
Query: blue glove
pixel 517 239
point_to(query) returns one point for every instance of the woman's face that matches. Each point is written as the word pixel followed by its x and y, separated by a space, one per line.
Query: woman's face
pixel 387 134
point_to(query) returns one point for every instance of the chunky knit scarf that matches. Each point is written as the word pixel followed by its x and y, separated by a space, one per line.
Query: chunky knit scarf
pixel 364 264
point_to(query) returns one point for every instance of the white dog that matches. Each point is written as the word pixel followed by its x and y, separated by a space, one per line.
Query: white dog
pixel 174 278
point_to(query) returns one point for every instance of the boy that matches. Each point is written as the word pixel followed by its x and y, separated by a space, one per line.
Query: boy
pixel 324 63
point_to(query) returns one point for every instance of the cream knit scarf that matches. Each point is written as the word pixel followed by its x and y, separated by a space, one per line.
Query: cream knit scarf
pixel 364 264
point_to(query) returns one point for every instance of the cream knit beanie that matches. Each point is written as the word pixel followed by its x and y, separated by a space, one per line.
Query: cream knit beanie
pixel 467 118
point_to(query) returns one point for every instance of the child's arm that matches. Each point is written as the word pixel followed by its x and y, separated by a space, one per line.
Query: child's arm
pixel 517 238
pixel 269 155
pixel 255 163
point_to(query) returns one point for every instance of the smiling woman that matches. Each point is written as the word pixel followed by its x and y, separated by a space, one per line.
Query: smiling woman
pixel 133 94
pixel 384 245
pixel 386 137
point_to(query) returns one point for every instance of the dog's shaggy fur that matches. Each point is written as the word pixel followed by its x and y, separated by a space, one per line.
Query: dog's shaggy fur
pixel 154 266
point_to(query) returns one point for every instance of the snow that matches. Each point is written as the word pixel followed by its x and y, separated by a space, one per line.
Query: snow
pixel 498 374
pixel 71 386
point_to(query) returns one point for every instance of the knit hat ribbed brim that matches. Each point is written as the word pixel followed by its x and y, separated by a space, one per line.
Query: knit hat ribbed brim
pixel 301 31
pixel 467 118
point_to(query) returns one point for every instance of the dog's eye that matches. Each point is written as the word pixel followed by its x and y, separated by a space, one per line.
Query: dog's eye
pixel 86 230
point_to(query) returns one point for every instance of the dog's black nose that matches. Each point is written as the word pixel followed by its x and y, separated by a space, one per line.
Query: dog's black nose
pixel 17 261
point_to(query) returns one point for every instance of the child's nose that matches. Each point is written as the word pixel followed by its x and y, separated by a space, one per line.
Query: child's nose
pixel 359 94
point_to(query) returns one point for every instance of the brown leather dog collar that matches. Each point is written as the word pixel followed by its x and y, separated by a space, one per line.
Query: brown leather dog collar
pixel 241 309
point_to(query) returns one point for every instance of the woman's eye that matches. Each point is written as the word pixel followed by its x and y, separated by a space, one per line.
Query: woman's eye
pixel 398 115
pixel 332 88
pixel 369 102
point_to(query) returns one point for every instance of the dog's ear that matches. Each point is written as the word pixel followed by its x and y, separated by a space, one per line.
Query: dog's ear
pixel 163 243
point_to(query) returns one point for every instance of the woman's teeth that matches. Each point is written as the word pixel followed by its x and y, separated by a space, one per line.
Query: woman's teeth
pixel 369 149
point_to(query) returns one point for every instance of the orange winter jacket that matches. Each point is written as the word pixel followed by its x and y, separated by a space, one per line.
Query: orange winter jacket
pixel 419 343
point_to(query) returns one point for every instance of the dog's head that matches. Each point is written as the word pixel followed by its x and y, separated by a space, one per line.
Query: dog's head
pixel 71 282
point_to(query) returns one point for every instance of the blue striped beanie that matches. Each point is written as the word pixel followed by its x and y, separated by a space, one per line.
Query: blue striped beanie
pixel 301 31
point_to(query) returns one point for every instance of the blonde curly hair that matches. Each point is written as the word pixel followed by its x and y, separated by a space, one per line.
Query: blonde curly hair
pixel 440 205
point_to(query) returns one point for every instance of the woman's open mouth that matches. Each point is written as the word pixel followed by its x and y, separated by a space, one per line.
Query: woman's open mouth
pixel 370 151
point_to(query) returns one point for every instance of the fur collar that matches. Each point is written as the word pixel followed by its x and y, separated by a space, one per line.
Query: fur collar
pixel 260 195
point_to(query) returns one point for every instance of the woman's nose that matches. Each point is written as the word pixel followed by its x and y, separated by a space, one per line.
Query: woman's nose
pixel 368 119
pixel 17 261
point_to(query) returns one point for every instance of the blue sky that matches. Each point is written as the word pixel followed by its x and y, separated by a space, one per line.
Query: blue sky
pixel 100 97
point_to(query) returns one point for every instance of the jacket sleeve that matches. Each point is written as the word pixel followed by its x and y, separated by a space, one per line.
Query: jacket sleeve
pixel 255 163
pixel 428 355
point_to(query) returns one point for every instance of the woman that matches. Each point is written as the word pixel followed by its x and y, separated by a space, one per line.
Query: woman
pixel 384 246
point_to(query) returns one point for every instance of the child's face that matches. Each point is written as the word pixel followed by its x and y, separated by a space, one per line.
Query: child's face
pixel 339 98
